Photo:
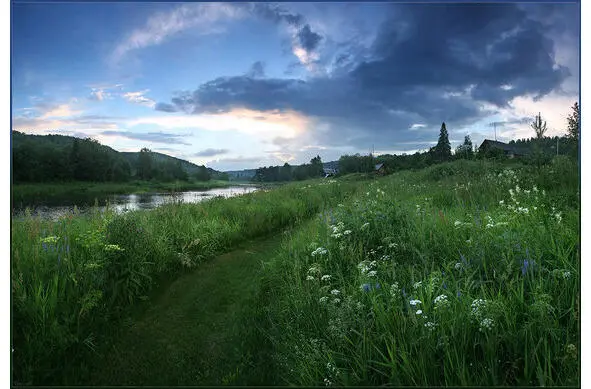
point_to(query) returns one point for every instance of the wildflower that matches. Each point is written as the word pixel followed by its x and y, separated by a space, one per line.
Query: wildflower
pixel 113 247
pixel 414 302
pixel 327 382
pixel 364 226
pixel 486 324
pixel 565 274
pixel 478 307
pixel 502 202
pixel 458 266
pixel 323 299
pixel 417 285
pixel 336 301
pixel 571 351
pixel 394 290
pixel 430 325
pixel 319 251
pixel 309 278
pixel 366 287
pixel 346 232
pixel 392 245
pixel 419 312
pixel 385 257
pixel 49 239
pixel 335 292
pixel 325 277
pixel 372 273
pixel 558 217
pixel 524 267
pixel 458 293
pixel 441 301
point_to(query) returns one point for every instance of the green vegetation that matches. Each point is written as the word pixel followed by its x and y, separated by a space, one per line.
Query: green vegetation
pixel 463 274
pixel 58 158
pixel 73 277
pixel 81 193
pixel 287 172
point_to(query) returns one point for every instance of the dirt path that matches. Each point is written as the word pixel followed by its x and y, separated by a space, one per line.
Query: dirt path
pixel 199 331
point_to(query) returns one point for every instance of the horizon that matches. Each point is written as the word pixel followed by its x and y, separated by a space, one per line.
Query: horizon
pixel 229 85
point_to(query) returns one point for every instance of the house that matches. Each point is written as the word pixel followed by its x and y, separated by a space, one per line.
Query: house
pixel 380 169
pixel 511 151
pixel 328 172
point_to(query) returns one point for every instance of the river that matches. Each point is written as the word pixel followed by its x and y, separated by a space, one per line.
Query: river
pixel 130 202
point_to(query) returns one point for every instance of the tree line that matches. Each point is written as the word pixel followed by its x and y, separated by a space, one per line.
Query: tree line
pixel 314 169
pixel 52 158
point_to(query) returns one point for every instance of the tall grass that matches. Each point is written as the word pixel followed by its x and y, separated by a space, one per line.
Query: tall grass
pixel 81 273
pixel 464 273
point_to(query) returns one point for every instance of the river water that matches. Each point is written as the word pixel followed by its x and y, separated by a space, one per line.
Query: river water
pixel 130 202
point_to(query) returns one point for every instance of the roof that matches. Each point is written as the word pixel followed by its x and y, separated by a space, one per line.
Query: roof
pixel 379 166
pixel 504 146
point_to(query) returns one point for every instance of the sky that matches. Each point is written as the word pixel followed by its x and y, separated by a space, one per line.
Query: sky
pixel 243 85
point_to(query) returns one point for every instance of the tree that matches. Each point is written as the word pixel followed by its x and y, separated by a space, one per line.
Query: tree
pixel 574 124
pixel 442 151
pixel 539 126
pixel 465 150
pixel 144 164
pixel 316 168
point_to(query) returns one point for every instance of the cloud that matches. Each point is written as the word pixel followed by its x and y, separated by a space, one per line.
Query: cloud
pixel 308 39
pixel 428 63
pixel 164 107
pixel 100 92
pixel 257 70
pixel 139 98
pixel 211 152
pixel 203 17
pixel 156 137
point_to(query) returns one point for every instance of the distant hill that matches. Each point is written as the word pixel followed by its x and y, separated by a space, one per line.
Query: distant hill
pixel 189 167
pixel 62 144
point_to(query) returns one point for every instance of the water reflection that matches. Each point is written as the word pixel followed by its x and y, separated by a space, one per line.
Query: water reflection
pixel 131 202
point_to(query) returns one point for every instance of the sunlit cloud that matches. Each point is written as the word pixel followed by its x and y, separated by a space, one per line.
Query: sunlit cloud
pixel 139 98
pixel 261 124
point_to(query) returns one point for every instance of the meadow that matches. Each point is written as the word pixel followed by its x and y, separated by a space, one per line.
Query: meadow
pixel 464 273
pixel 73 277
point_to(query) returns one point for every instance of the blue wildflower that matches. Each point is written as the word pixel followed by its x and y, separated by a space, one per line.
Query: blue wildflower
pixel 44 246
pixel 458 294
pixel 403 292
pixel 444 285
pixel 377 286
pixel 366 287
pixel 524 267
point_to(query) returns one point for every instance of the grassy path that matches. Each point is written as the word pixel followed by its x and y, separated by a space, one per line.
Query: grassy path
pixel 200 331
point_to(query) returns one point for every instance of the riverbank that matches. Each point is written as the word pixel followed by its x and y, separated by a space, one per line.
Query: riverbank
pixel 85 193
pixel 74 276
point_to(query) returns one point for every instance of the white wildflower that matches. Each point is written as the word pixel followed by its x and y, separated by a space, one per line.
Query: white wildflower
pixel 323 299
pixel 414 302
pixel 372 273
pixel 565 274
pixel 486 324
pixel 441 301
pixel 419 312
pixel 335 292
pixel 430 325
pixel 417 285
pixel 309 278
pixel 325 277
pixel 347 232
pixel 364 226
pixel 336 301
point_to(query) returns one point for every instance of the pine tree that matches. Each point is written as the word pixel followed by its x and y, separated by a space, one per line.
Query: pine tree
pixel 539 126
pixel 442 151
pixel 574 123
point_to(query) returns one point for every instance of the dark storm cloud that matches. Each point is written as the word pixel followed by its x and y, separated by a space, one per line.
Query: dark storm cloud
pixel 156 137
pixel 211 152
pixel 309 40
pixel 429 63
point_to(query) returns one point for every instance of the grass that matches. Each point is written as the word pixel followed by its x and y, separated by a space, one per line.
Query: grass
pixel 81 193
pixel 74 276
pixel 465 273
pixel 462 274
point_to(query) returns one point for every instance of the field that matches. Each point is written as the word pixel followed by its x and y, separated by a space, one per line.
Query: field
pixel 465 273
